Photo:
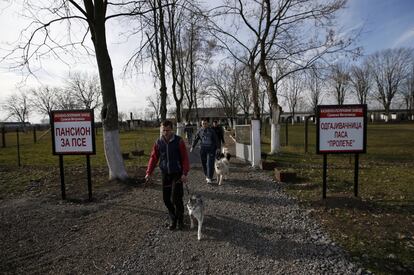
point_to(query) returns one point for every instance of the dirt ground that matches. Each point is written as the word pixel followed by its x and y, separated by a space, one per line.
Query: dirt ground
pixel 41 233
pixel 251 227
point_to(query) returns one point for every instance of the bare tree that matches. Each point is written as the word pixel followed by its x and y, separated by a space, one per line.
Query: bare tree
pixel 360 81
pixel 174 43
pixel 149 114
pixel 175 17
pixel 287 31
pixel 195 52
pixel 222 86
pixel 154 102
pixel 85 89
pixel 158 50
pixel 65 100
pixel 315 86
pixel 243 96
pixel 17 106
pixel 178 14
pixel 389 68
pixel 44 100
pixel 293 88
pixel 44 41
pixel 339 78
pixel 152 33
pixel 243 50
pixel 188 48
pixel 408 92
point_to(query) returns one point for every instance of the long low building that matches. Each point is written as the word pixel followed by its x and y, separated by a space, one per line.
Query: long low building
pixel 219 114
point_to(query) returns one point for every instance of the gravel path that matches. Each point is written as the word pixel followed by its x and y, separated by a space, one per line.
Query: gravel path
pixel 251 227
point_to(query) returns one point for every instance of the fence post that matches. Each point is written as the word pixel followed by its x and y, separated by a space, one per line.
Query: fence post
pixel 255 142
pixel 287 134
pixel 34 134
pixel 3 136
pixel 18 146
pixel 306 132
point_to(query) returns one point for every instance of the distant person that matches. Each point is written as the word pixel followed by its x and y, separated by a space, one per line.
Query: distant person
pixel 188 130
pixel 172 154
pixel 219 132
pixel 208 146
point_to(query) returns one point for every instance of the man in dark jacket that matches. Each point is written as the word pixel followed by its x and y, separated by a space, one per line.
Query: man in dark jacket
pixel 208 143
pixel 170 150
pixel 220 134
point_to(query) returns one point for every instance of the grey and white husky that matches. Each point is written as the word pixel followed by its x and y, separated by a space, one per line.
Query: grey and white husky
pixel 195 208
pixel 222 165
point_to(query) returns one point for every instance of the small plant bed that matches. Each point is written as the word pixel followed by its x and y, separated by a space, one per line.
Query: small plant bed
pixel 268 165
pixel 137 153
pixel 285 175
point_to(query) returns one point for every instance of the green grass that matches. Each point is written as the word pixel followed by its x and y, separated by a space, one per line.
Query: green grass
pixel 40 153
pixel 38 164
pixel 377 227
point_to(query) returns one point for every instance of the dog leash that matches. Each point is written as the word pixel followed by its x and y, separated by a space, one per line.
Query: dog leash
pixel 146 182
pixel 185 184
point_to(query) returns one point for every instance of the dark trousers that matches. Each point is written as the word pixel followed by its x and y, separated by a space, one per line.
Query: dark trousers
pixel 172 193
pixel 190 138
pixel 207 160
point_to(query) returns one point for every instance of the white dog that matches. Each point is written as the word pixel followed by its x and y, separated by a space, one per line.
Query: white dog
pixel 195 208
pixel 222 166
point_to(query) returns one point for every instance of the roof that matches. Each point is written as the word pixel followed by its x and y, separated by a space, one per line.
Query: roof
pixel 206 112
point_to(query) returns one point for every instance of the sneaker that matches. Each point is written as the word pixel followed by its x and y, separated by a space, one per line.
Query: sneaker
pixel 209 180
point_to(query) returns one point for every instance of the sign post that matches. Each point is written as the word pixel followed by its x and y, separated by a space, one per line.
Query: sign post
pixel 73 134
pixel 341 129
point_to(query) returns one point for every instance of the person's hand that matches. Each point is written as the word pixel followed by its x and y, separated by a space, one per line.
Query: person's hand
pixel 184 178
pixel 147 181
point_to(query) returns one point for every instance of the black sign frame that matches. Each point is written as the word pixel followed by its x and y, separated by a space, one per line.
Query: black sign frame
pixel 52 124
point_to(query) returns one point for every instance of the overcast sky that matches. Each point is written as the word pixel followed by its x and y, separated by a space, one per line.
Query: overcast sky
pixel 384 23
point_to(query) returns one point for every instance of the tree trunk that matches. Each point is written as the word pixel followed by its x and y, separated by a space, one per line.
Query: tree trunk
pixel 275 108
pixel 387 112
pixel 275 131
pixel 162 62
pixel 109 113
pixel 163 93
pixel 255 95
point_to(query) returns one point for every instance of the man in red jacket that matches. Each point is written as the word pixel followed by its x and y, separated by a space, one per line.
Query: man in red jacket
pixel 172 154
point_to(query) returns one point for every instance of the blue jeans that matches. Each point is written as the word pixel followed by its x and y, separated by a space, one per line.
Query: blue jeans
pixel 207 160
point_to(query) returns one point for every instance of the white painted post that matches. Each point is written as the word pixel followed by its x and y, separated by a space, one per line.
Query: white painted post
pixel 275 138
pixel 256 146
pixel 180 129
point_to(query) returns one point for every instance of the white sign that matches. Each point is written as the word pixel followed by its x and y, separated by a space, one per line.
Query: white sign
pixel 341 129
pixel 73 132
